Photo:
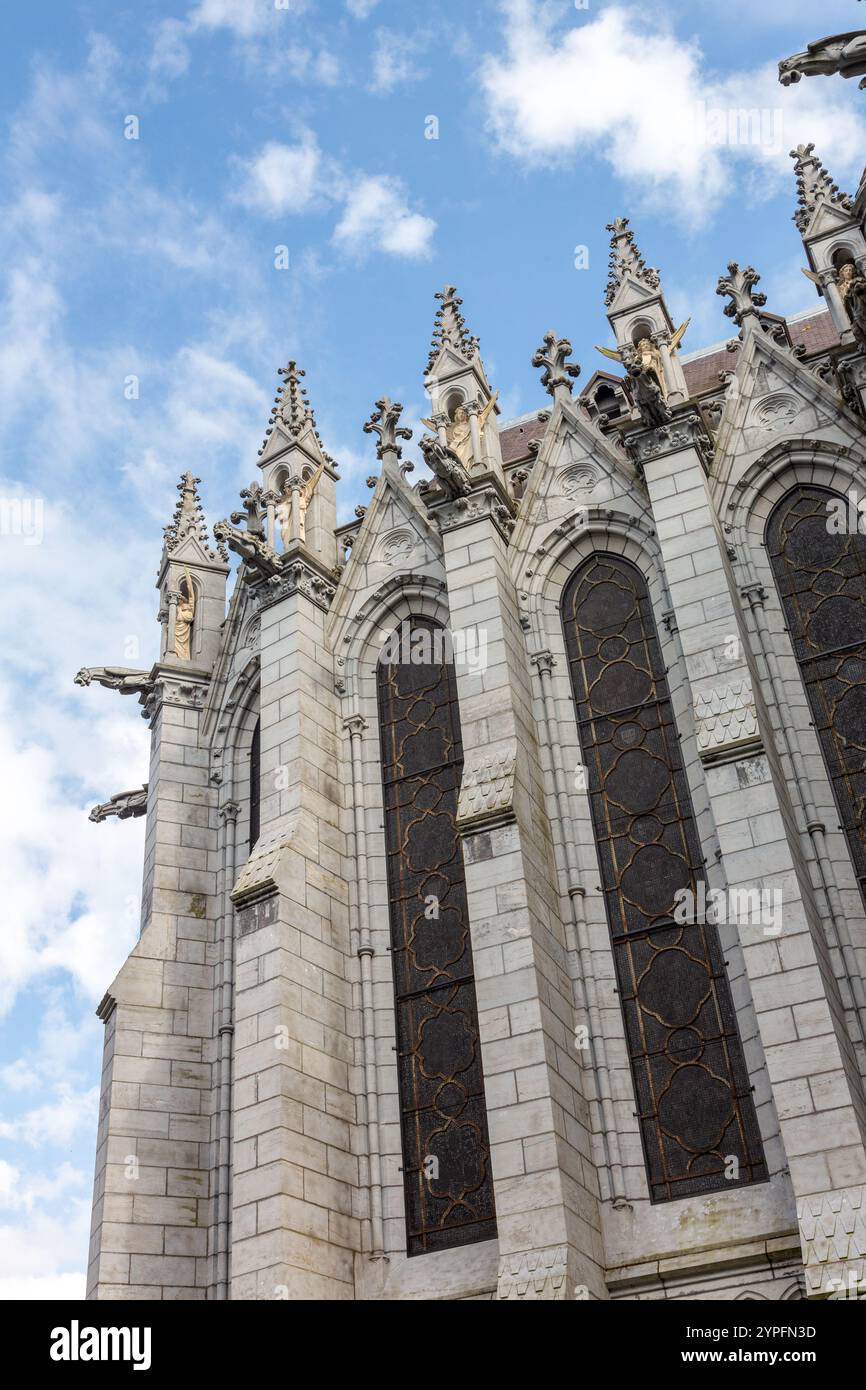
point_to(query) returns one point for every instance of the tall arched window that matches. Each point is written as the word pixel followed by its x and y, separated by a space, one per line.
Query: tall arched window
pixel 694 1100
pixel 819 562
pixel 255 784
pixel 446 1152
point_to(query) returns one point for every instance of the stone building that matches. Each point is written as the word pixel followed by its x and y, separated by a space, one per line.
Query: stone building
pixel 503 925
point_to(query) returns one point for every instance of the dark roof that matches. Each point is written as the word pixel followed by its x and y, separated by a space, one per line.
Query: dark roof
pixel 516 439
pixel 816 333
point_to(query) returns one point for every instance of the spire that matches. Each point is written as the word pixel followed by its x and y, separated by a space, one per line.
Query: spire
pixel 626 261
pixel 292 409
pixel 449 330
pixel 815 188
pixel 188 515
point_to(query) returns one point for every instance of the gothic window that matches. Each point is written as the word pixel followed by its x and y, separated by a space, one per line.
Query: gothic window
pixel 819 562
pixel 447 1180
pixel 608 401
pixel 695 1109
pixel 255 784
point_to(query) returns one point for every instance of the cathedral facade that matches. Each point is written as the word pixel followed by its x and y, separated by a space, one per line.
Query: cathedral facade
pixel 503 930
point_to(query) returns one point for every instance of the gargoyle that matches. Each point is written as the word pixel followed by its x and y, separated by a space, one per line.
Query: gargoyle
pixel 445 465
pixel 648 396
pixel 125 805
pixel 116 678
pixel 840 53
pixel 250 545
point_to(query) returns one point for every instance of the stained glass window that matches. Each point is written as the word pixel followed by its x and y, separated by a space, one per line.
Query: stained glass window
pixel 446 1153
pixel 819 561
pixel 255 784
pixel 695 1108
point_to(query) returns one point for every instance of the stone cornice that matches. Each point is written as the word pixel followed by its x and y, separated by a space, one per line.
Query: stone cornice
pixel 298 575
pixel 685 431
pixel 485 502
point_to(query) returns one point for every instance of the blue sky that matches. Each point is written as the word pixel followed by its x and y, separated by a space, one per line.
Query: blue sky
pixel 262 125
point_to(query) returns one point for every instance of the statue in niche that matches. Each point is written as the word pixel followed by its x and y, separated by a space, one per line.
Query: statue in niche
pixel 648 356
pixel 458 432
pixel 283 509
pixel 851 284
pixel 852 288
pixel 184 619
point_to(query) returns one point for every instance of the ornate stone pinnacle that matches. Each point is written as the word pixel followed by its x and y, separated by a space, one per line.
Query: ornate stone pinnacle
pixel 292 409
pixel 626 261
pixel 558 374
pixel 738 285
pixel 188 515
pixel 815 187
pixel 385 422
pixel 254 512
pixel 449 329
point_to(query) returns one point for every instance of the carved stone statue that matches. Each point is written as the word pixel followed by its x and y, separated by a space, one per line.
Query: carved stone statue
pixel 283 509
pixel 446 465
pixel 125 805
pixel 840 53
pixel 120 678
pixel 458 431
pixel 648 355
pixel 648 395
pixel 184 619
pixel 852 288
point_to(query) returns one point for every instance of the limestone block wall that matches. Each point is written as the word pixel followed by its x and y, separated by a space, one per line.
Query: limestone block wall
pixel 152 1208
pixel 295 1218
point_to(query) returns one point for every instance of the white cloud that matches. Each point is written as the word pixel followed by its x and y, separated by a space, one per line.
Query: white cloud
pixel 283 178
pixel 42 1257
pixel 245 18
pixel 170 54
pixel 376 214
pixel 361 8
pixel 67 1114
pixel 395 61
pixel 559 92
